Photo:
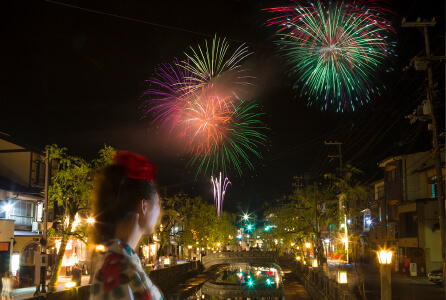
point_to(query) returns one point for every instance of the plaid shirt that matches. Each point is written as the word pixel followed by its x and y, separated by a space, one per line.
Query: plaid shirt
pixel 119 275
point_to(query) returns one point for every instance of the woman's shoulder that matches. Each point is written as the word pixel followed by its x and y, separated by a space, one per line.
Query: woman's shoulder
pixel 116 272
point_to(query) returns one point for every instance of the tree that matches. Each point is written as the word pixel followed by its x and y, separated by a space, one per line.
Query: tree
pixel 295 220
pixel 197 223
pixel 353 197
pixel 72 183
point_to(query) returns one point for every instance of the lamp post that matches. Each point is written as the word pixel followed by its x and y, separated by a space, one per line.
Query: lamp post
pixel 385 260
pixel 307 246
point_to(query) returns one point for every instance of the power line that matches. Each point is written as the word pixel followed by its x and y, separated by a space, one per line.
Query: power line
pixel 151 23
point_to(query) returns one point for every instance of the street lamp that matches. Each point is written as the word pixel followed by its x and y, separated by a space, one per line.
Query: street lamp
pixel 307 246
pixel 90 220
pixel 385 259
pixel 342 277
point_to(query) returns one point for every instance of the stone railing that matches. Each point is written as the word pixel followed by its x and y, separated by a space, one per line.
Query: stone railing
pixel 75 293
pixel 226 291
pixel 164 278
pixel 168 277
pixel 212 259
pixel 320 286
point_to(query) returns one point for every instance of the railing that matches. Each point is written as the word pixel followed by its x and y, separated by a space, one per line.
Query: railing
pixel 212 259
pixel 22 220
pixel 320 286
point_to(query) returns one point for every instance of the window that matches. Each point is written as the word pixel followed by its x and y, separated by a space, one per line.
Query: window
pixel 381 192
pixel 392 175
pixel 22 212
pixel 409 224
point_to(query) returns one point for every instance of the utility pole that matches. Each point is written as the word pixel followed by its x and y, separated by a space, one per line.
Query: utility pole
pixel 44 240
pixel 317 231
pixel 420 64
pixel 346 200
pixel 299 183
pixel 336 156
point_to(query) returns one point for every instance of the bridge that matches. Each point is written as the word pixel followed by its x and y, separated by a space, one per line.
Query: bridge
pixel 252 257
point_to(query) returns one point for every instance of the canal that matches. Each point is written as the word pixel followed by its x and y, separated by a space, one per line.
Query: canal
pixel 244 281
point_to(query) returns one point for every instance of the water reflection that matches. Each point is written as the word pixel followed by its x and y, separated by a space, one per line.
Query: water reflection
pixel 244 281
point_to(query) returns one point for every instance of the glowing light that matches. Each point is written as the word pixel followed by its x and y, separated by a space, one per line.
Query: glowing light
pixel 298 258
pixel 246 217
pixel 342 276
pixel 307 245
pixel 349 221
pixel 76 222
pixel 58 242
pixel 384 257
pixel 314 263
pixel 7 207
pixel 335 50
pixel 268 281
pixel 70 284
pixel 219 192
pixel 100 248
pixel 250 283
pixel 90 220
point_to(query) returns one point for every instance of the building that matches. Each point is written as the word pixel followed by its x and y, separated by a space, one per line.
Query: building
pixel 22 178
pixel 411 208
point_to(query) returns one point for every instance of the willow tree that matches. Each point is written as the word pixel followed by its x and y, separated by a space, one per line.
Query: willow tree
pixel 299 218
pixel 72 184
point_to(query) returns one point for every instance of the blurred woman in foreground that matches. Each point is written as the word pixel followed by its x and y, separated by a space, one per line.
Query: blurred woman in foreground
pixel 126 206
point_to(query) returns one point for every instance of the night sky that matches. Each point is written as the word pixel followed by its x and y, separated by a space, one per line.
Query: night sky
pixel 73 72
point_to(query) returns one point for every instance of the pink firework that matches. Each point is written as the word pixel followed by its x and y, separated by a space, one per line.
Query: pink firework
pixel 219 192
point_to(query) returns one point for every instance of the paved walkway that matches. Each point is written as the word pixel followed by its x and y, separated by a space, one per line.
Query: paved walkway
pixel 28 292
pixel 293 288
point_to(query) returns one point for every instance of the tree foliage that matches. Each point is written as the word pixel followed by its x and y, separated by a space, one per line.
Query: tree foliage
pixel 72 185
pixel 295 220
pixel 197 223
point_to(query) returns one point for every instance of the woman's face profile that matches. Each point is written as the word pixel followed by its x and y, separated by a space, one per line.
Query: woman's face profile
pixel 153 214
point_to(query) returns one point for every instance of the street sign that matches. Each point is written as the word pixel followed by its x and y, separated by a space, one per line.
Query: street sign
pixel 324 227
pixel 322 207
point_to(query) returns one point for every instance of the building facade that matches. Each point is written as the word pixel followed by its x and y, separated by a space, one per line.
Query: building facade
pixel 410 207
pixel 22 178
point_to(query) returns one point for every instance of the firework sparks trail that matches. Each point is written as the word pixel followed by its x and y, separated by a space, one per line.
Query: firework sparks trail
pixel 335 50
pixel 169 96
pixel 219 192
pixel 209 63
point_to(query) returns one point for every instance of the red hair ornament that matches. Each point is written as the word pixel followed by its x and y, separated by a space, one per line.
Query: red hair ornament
pixel 136 166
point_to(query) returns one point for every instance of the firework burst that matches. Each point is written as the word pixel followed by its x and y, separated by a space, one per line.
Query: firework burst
pixel 197 97
pixel 335 50
pixel 241 136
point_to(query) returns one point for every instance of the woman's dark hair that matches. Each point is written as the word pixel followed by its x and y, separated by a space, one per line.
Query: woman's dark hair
pixel 116 197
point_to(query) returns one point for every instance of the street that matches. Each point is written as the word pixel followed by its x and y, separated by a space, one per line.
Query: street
pixel 403 287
